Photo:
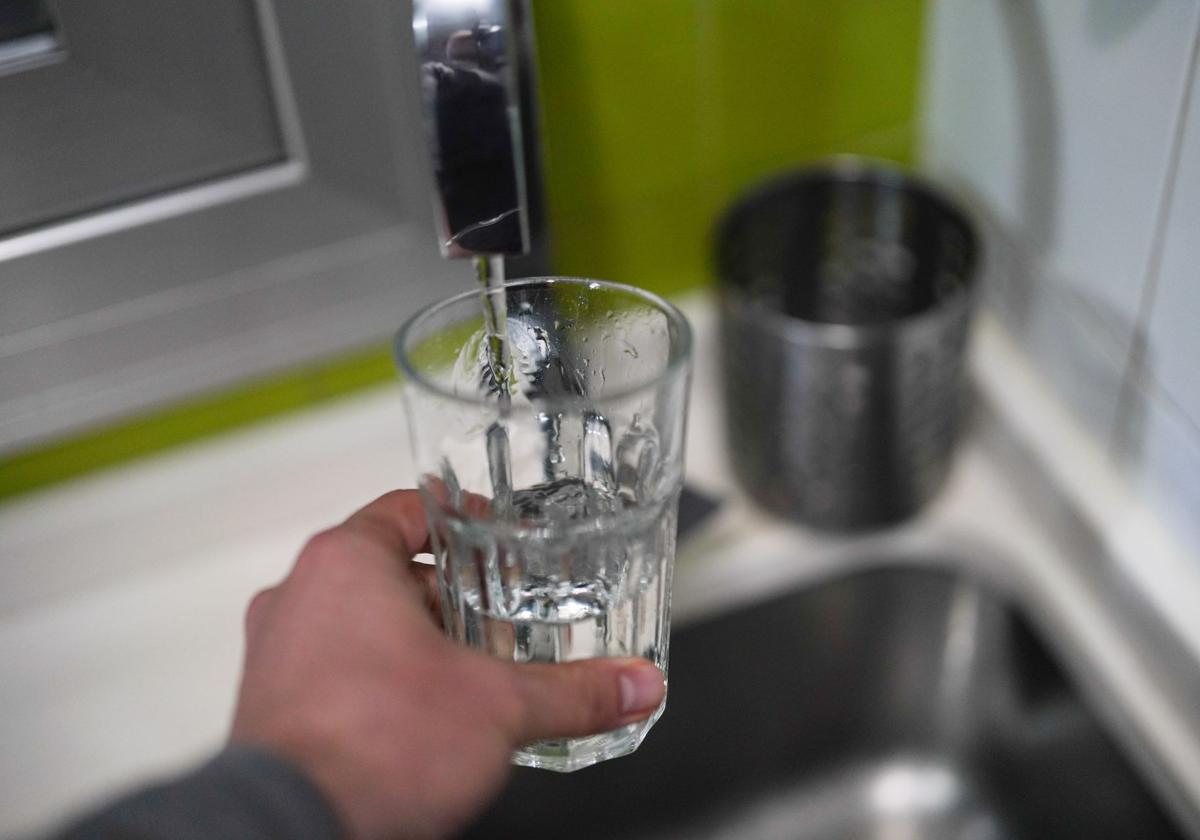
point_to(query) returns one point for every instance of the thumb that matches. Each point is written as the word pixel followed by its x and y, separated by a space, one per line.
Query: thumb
pixel 585 697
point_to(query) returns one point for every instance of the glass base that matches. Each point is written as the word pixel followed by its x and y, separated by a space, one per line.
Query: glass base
pixel 566 755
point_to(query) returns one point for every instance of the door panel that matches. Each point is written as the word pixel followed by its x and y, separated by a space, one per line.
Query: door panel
pixel 321 242
pixel 150 95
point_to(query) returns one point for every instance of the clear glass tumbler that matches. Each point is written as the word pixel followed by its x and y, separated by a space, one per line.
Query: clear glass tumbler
pixel 547 424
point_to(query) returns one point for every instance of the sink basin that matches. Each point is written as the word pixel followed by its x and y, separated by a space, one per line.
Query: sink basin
pixel 895 701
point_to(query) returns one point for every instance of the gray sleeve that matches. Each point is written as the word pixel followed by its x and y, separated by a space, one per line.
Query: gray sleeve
pixel 243 792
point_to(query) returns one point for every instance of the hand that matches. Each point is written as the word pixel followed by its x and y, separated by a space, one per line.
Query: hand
pixel 407 733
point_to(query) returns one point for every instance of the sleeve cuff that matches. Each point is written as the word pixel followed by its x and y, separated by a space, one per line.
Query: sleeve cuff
pixel 244 791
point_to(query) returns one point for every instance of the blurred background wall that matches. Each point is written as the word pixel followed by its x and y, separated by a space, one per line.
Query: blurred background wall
pixel 189 245
pixel 151 312
pixel 1073 128
pixel 657 115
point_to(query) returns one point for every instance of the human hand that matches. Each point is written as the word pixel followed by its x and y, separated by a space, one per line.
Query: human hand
pixel 407 733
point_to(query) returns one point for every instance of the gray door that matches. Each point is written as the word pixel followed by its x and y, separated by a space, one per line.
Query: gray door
pixel 191 193
pixel 133 99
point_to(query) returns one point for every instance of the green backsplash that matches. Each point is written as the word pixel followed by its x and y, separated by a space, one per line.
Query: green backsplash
pixel 200 417
pixel 655 114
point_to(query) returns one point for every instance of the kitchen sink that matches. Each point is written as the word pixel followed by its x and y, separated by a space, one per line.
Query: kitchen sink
pixel 891 701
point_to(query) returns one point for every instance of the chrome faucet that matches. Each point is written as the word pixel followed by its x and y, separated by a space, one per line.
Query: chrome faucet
pixel 474 57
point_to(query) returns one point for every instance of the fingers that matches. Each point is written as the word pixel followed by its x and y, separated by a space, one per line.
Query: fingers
pixel 396 519
pixel 573 699
pixel 382 536
pixel 426 577
pixel 462 502
pixel 258 605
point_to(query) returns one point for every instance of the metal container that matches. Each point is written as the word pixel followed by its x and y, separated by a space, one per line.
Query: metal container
pixel 846 293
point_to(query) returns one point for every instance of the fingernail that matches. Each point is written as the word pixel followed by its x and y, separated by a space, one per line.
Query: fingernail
pixel 641 688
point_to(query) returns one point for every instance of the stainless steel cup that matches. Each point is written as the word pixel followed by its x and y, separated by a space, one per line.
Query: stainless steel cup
pixel 846 292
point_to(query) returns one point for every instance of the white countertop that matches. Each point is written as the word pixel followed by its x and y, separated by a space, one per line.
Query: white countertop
pixel 122 596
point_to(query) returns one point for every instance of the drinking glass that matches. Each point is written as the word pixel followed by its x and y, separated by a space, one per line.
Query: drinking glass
pixel 546 419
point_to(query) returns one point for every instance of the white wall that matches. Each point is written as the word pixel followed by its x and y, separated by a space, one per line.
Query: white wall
pixel 1163 440
pixel 1066 124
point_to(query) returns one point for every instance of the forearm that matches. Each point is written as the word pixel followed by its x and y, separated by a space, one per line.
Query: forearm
pixel 243 792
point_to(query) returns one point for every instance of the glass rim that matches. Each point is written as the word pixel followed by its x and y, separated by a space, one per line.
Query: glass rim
pixel 677 360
